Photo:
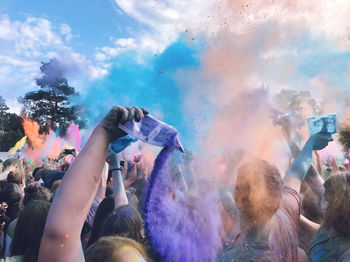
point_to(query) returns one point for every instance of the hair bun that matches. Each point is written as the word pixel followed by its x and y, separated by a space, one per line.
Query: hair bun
pixel 31 188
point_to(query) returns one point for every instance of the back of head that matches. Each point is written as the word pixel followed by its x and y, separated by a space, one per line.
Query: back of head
pixel 15 177
pixel 52 176
pixel 258 190
pixel 115 249
pixel 11 162
pixel 34 191
pixel 123 221
pixel 12 195
pixel 337 194
pixel 41 173
pixel 29 230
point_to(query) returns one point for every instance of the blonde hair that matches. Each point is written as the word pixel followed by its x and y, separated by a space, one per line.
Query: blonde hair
pixel 108 249
pixel 337 194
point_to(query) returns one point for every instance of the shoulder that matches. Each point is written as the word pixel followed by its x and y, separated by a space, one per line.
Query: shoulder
pixel 290 203
pixel 328 245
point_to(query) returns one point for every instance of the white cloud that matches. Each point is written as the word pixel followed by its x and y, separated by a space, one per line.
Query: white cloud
pixel 164 21
pixel 167 19
pixel 24 44
pixel 66 31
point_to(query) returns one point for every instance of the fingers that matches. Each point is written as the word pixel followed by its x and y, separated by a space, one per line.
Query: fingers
pixel 124 114
pixel 138 114
pixel 145 111
pixel 130 113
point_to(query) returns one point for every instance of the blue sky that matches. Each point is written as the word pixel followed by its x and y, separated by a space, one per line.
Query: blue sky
pixel 116 48
pixel 94 22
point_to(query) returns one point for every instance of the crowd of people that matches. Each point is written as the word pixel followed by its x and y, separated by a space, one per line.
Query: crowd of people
pixel 96 209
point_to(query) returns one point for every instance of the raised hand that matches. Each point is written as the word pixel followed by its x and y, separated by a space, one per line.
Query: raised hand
pixel 320 141
pixel 120 115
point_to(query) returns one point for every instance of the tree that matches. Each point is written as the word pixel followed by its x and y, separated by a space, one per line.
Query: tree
pixel 3 110
pixel 51 105
pixel 11 127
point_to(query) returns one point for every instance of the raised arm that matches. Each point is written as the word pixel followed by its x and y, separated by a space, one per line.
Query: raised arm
pixel 101 190
pixel 61 239
pixel 312 177
pixel 301 164
pixel 120 197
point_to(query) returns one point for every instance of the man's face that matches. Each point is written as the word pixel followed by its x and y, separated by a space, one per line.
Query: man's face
pixel 13 167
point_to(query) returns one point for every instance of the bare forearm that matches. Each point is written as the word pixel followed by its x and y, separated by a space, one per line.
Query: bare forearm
pixel 308 226
pixel 120 197
pixel 312 177
pixel 301 164
pixel 101 191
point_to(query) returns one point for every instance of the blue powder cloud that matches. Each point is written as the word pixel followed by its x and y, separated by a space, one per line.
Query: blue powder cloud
pixel 152 84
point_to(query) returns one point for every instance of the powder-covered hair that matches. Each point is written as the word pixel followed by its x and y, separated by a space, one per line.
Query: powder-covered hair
pixel 337 194
pixel 258 190
pixel 108 249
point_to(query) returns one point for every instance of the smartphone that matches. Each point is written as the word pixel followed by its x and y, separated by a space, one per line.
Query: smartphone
pixel 326 124
pixel 122 164
pixel 69 151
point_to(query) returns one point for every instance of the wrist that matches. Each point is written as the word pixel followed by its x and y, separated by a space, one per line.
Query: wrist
pixel 114 169
pixel 99 129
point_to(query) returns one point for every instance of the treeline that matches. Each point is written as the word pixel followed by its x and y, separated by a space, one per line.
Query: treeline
pixel 50 105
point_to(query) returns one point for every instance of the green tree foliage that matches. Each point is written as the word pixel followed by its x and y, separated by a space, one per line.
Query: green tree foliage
pixel 51 105
pixel 11 129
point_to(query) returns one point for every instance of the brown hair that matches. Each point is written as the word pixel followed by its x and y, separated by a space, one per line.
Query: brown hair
pixel 108 249
pixel 10 162
pixel 15 177
pixel 29 230
pixel 337 194
pixel 124 221
pixel 258 190
pixel 35 191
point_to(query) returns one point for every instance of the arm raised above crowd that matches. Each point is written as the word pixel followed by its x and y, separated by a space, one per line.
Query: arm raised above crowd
pixel 302 162
pixel 61 239
pixel 120 197
pixel 313 177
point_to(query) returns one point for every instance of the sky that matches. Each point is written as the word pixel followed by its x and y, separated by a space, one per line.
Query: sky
pixel 189 61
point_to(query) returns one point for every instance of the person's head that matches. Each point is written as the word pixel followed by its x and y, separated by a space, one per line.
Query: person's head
pixel 12 164
pixel 35 171
pixel 41 173
pixel 337 195
pixel 34 191
pixel 115 249
pixel 52 176
pixel 258 191
pixel 15 177
pixel 104 209
pixel 12 195
pixel 29 230
pixel 124 221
